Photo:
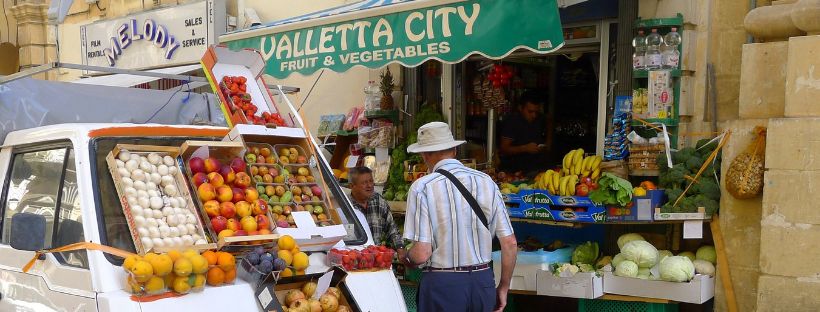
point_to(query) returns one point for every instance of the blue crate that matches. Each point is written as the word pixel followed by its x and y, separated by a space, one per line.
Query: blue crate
pixel 540 205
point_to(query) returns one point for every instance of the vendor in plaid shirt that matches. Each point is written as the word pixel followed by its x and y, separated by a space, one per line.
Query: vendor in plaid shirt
pixel 375 208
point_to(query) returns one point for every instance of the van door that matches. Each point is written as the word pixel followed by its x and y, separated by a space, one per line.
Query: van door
pixel 43 180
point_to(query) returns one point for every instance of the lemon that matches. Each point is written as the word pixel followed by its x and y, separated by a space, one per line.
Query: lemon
pixel 183 267
pixel 199 280
pixel 181 285
pixel 639 191
pixel 162 265
pixel 286 256
pixel 174 254
pixel 286 242
pixel 190 253
pixel 199 265
pixel 300 261
pixel 155 284
pixel 142 271
pixel 129 261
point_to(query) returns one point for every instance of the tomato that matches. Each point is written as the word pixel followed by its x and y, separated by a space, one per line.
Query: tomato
pixel 242 88
pixel 242 79
pixel 648 185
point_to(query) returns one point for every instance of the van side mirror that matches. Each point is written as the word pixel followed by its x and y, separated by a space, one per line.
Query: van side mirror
pixel 28 231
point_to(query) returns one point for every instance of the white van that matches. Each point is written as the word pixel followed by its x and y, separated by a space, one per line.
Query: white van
pixel 59 172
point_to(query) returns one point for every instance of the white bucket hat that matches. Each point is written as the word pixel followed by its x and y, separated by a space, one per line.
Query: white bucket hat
pixel 434 136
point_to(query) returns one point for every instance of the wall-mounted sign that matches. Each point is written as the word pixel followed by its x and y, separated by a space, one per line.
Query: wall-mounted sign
pixel 156 38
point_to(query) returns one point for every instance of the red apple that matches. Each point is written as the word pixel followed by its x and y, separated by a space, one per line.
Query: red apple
pixel 206 192
pixel 216 179
pixel 224 193
pixel 199 178
pixel 227 174
pixel 227 210
pixel 240 233
pixel 242 180
pixel 251 194
pixel 211 208
pixel 593 186
pixel 233 225
pixel 260 207
pixel 262 222
pixel 238 195
pixel 196 165
pixel 581 190
pixel 212 165
pixel 316 190
pixel 219 223
pixel 586 180
pixel 238 165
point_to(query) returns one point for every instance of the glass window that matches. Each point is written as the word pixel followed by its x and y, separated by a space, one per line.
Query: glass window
pixel 33 188
pixel 69 223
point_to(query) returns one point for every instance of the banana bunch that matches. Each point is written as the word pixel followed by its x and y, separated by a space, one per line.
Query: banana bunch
pixel 548 180
pixel 575 163
pixel 566 185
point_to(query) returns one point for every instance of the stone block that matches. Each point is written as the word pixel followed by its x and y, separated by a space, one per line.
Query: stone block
pixel 686 102
pixel 740 225
pixel 789 249
pixel 778 293
pixel 802 83
pixel 647 8
pixel 792 143
pixel 744 281
pixel 763 80
pixel 728 13
pixel 789 193
pixel 728 53
pixel 689 49
pixel 671 8
pixel 727 87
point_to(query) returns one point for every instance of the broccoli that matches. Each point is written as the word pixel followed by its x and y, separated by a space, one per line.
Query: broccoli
pixel 701 200
pixel 661 161
pixel 687 204
pixel 673 194
pixel 694 163
pixel 708 188
pixel 673 177
pixel 704 147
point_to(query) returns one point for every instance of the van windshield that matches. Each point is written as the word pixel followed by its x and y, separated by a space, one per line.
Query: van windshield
pixel 114 230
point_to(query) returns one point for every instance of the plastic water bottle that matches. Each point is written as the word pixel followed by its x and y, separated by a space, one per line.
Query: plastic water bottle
pixel 372 96
pixel 639 57
pixel 671 56
pixel 653 50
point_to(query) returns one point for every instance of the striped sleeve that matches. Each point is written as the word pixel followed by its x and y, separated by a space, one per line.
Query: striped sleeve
pixel 417 225
pixel 503 226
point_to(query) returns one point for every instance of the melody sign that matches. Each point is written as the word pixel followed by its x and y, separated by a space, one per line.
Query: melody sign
pixel 445 32
pixel 163 37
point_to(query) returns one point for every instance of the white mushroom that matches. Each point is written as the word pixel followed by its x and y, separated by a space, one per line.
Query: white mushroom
pixel 124 155
pixel 168 161
pixel 132 165
pixel 158 242
pixel 120 163
pixel 124 173
pixel 162 170
pixel 171 190
pixel 156 202
pixel 154 159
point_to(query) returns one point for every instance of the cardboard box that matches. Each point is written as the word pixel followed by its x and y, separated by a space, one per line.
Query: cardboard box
pixel 528 264
pixel 640 209
pixel 310 237
pixel 580 285
pixel 540 205
pixel 666 216
pixel 699 290
pixel 219 61
pixel 661 94
pixel 270 295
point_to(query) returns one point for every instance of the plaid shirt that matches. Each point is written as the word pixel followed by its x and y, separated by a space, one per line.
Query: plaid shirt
pixel 380 219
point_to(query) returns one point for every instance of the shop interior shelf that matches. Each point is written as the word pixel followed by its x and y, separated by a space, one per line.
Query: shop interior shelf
pixel 581 224
pixel 660 22
pixel 643 73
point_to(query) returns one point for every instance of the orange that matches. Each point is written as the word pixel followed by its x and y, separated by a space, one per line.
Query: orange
pixel 300 272
pixel 225 261
pixel 286 273
pixel 210 256
pixel 129 261
pixel 215 276
pixel 295 250
pixel 230 276
pixel 155 284
pixel 286 242
pixel 162 264
pixel 142 271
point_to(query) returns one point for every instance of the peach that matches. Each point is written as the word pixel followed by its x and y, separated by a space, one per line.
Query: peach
pixel 238 195
pixel 225 233
pixel 251 194
pixel 259 207
pixel 243 209
pixel 219 223
pixel 227 174
pixel 212 165
pixel 211 208
pixel 233 225
pixel 216 179
pixel 242 180
pixel 262 222
pixel 196 165
pixel 199 178
pixel 227 210
pixel 248 223
pixel 224 193
pixel 206 192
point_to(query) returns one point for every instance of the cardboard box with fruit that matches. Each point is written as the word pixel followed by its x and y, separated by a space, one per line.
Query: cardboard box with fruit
pixel 308 293
pixel 236 216
pixel 236 78
pixel 372 258
pixel 155 198
pixel 262 265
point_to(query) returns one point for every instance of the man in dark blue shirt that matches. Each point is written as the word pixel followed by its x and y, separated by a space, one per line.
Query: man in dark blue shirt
pixel 523 139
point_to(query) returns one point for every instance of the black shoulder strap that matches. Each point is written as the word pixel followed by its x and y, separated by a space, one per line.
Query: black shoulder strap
pixel 470 198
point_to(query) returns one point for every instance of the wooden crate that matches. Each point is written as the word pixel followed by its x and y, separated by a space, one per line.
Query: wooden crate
pixel 181 184
pixel 223 151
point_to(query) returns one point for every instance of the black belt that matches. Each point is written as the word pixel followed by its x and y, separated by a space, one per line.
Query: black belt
pixel 469 268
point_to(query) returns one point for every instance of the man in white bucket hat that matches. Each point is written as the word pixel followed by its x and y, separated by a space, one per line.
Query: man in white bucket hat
pixel 452 215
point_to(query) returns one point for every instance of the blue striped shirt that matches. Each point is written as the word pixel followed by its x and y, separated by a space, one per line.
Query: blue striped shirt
pixel 437 213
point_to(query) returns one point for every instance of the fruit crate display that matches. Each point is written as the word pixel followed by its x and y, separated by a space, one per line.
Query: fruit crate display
pixel 155 198
pixel 372 258
pixel 178 272
pixel 229 203
pixel 597 305
pixel 298 291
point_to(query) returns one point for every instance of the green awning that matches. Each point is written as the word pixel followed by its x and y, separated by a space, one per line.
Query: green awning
pixel 376 33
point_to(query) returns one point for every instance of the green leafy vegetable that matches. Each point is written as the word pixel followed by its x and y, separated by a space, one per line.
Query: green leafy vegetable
pixel 612 190
pixel 586 253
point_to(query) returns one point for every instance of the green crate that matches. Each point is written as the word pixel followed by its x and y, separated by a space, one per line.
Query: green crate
pixel 412 275
pixel 409 293
pixel 593 305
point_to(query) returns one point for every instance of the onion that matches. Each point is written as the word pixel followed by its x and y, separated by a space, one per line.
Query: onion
pixel 124 155
pixel 161 222
pixel 164 230
pixel 120 163
pixel 156 202
pixel 196 237
pixel 172 220
pixel 138 175
pixel 162 170
pixel 153 193
pixel 177 241
pixel 142 194
pixel 173 202
pixel 144 201
pixel 158 242
pixel 143 232
pixel 168 161
pixel 132 165
pixel 156 178
pixel 136 211
pixel 173 231
pixel 132 200
pixel 191 228
pixel 157 214
pixel 182 202
pixel 169 242
pixel 127 181
pixel 166 180
pixel 190 219
pixel 124 173
pixel 150 222
pixel 167 211
pixel 183 230
pixel 154 158
pixel 147 243
pixel 140 186
pixel 200 242
pixel 130 191
pixel 154 232
pixel 172 170
pixel 140 221
pixel 187 240
pixel 171 190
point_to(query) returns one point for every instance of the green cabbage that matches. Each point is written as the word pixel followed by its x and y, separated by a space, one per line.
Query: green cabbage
pixel 641 253
pixel 617 259
pixel 585 253
pixel 677 269
pixel 663 254
pixel 707 253
pixel 643 273
pixel 688 254
pixel 626 269
pixel 628 237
